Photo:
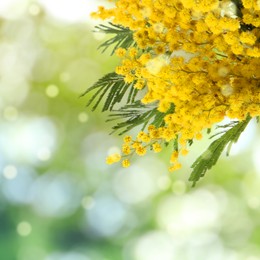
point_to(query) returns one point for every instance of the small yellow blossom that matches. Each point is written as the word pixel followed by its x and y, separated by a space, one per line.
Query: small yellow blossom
pixel 126 163
pixel 140 150
pixel 133 52
pixel 184 152
pixel 139 85
pixel 174 157
pixel 247 3
pixel 151 128
pixel 255 52
pixel 142 136
pixel 126 149
pixel 198 136
pixel 127 139
pixel 247 38
pixel 129 78
pixel 157 147
pixel 113 158
pixel 155 134
pixel 120 52
pixel 175 167
pixel 136 144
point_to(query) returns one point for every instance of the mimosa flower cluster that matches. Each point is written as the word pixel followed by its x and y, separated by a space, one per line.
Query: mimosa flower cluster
pixel 201 57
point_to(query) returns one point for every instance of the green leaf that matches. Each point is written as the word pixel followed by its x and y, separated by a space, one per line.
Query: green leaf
pixel 176 144
pixel 137 114
pixel 113 88
pixel 209 158
pixel 123 37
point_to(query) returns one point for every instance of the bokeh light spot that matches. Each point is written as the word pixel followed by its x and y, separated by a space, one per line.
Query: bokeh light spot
pixel 83 117
pixel 107 217
pixel 10 172
pixel 227 90
pixel 34 9
pixel 24 228
pixel 52 91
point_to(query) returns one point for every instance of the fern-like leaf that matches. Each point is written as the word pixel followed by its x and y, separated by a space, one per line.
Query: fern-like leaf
pixel 137 114
pixel 212 154
pixel 113 87
pixel 123 37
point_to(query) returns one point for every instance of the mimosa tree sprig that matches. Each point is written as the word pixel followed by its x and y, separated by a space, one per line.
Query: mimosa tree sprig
pixel 210 157
pixel 185 66
pixel 123 37
pixel 112 87
pixel 138 114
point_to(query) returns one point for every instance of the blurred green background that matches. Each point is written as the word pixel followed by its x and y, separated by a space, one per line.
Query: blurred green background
pixel 58 198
